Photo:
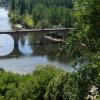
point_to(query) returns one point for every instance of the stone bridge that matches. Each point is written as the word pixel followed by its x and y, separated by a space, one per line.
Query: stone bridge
pixel 41 32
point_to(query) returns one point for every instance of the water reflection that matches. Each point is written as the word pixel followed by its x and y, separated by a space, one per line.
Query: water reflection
pixel 31 51
pixel 22 54
pixel 24 46
pixel 32 45
pixel 6 44
pixel 4 20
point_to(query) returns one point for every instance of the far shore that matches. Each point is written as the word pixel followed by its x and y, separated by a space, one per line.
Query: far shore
pixel 18 26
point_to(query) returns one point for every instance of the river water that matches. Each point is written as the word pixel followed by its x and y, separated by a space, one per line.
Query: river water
pixel 24 56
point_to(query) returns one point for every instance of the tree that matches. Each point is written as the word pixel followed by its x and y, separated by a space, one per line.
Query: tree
pixel 86 37
pixel 22 7
pixel 44 10
pixel 52 16
pixel 38 13
pixel 13 5
pixel 62 87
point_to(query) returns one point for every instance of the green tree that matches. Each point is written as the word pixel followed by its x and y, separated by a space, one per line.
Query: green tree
pixel 13 5
pixel 49 10
pixel 22 7
pixel 62 87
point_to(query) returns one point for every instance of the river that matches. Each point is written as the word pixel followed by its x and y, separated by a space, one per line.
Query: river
pixel 27 54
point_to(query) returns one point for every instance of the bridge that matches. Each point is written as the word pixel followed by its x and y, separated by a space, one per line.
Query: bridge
pixel 41 32
pixel 62 30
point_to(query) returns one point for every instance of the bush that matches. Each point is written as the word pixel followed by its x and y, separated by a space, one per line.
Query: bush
pixel 49 83
pixel 43 24
pixel 15 16
pixel 27 21
pixel 62 87
pixel 26 87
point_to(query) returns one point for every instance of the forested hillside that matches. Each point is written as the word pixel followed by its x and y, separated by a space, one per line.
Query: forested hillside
pixel 42 13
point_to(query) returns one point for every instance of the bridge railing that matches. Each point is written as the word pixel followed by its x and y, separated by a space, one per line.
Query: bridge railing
pixel 37 30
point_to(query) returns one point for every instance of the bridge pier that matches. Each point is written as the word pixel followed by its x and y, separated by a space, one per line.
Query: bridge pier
pixel 40 32
pixel 16 45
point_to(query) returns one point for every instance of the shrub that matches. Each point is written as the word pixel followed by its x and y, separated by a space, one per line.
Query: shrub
pixel 62 87
pixel 26 87
pixel 15 16
pixel 27 21
pixel 43 24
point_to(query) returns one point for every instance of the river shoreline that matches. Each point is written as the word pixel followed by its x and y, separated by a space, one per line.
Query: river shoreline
pixel 26 55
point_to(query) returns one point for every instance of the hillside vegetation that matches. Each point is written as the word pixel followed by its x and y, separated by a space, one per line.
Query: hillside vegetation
pixel 48 83
pixel 42 13
pixel 82 45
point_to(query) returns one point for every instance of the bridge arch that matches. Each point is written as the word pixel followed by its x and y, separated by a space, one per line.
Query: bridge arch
pixel 6 48
pixel 42 32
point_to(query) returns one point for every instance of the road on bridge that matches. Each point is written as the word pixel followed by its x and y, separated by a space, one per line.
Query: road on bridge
pixel 38 30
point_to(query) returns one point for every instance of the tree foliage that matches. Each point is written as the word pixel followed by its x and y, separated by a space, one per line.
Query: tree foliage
pixel 55 84
pixel 84 44
pixel 26 87
pixel 87 34
pixel 55 12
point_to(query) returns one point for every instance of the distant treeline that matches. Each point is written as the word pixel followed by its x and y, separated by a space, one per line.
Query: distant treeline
pixel 42 13
pixel 3 1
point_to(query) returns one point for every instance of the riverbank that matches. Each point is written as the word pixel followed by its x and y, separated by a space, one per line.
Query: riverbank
pixel 18 27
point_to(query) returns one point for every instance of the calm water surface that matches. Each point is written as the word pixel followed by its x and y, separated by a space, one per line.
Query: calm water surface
pixel 23 55
pixel 4 20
